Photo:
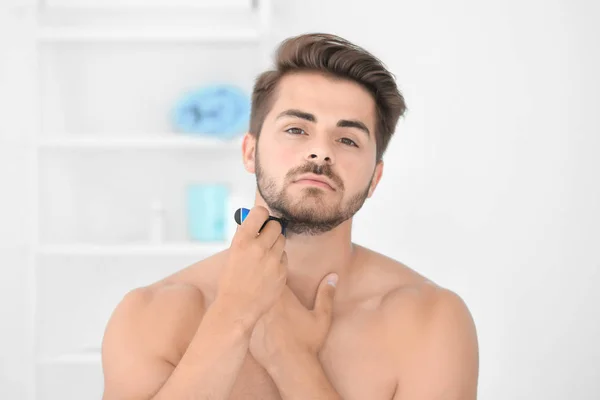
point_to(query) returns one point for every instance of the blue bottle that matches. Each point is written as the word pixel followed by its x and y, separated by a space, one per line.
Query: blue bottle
pixel 207 209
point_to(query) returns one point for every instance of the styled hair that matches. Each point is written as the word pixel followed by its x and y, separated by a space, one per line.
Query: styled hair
pixel 338 58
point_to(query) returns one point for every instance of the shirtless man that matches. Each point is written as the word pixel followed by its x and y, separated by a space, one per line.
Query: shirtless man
pixel 308 315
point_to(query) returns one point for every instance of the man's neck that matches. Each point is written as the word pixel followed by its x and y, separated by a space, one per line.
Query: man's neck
pixel 311 258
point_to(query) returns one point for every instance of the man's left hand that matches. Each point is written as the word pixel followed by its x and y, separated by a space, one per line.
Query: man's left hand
pixel 290 329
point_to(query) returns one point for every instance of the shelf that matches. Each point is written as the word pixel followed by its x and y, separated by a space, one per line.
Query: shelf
pixel 152 4
pixel 174 249
pixel 84 358
pixel 168 142
pixel 78 34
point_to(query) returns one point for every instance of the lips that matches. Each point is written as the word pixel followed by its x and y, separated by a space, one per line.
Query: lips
pixel 315 180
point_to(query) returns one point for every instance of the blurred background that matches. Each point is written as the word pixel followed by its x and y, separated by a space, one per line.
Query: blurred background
pixel 121 123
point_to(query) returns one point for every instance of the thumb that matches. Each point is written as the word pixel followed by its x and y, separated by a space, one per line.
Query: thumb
pixel 325 295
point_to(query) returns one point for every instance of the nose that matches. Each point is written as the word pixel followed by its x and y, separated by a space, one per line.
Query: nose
pixel 320 155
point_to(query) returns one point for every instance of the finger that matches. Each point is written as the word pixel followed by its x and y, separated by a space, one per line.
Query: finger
pixel 324 299
pixel 281 266
pixel 278 247
pixel 270 234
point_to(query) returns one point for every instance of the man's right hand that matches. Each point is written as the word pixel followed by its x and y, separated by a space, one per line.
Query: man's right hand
pixel 254 274
pixel 166 343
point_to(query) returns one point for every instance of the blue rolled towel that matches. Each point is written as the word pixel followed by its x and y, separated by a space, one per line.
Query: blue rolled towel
pixel 220 110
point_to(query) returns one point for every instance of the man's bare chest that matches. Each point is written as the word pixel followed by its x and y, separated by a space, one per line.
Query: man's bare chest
pixel 354 358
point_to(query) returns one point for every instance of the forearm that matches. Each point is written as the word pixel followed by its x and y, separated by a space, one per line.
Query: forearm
pixel 211 363
pixel 301 376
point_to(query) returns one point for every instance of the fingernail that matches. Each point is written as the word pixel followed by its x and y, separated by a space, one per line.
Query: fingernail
pixel 332 279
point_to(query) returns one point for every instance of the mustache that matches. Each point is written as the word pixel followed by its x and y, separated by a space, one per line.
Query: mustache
pixel 317 169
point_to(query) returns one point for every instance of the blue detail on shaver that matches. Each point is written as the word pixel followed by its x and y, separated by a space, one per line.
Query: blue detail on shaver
pixel 241 214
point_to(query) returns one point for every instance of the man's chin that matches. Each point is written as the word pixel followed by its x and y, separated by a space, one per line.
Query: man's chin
pixel 310 212
pixel 312 227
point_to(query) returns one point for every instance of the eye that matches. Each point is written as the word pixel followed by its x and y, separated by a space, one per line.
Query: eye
pixel 349 142
pixel 295 131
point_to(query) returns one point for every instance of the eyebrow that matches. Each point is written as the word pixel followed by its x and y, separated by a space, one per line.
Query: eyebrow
pixel 342 123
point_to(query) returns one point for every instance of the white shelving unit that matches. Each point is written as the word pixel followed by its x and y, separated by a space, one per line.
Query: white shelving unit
pixel 145 142
pixel 94 274
pixel 169 249
pixel 92 357
pixel 120 4
pixel 166 35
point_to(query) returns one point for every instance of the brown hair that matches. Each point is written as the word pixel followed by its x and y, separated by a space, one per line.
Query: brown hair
pixel 338 58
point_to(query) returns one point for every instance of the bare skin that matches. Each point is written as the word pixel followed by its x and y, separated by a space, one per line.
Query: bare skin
pixel 263 324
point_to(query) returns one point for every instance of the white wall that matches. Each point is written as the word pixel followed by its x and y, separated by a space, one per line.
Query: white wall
pixel 491 180
pixel 15 91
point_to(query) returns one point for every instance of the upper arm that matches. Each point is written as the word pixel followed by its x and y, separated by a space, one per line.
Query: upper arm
pixel 145 337
pixel 442 360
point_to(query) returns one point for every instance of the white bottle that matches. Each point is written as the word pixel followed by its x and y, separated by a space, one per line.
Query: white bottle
pixel 157 223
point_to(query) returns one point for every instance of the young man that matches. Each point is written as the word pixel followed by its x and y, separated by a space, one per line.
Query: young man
pixel 309 315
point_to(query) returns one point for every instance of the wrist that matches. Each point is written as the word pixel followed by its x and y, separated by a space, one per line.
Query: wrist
pixel 233 316
pixel 284 360
pixel 300 375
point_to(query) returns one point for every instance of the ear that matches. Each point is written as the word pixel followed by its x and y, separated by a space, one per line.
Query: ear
pixel 248 152
pixel 376 177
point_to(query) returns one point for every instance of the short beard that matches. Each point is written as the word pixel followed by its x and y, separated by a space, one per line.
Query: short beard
pixel 307 221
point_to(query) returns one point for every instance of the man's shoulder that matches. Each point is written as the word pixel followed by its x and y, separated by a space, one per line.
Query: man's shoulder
pixel 421 317
pixel 165 314
pixel 198 278
pixel 393 274
pixel 427 327
pixel 155 321
pixel 411 299
pixel 153 306
pixel 422 302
